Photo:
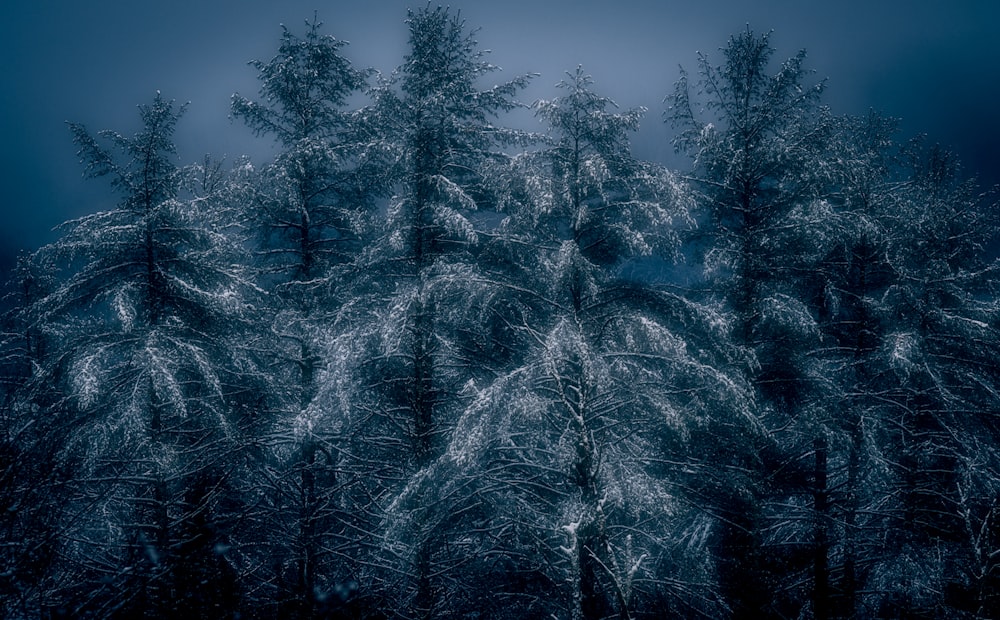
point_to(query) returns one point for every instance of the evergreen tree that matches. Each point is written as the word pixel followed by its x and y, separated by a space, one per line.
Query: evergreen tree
pixel 31 474
pixel 848 289
pixel 306 215
pixel 757 160
pixel 899 447
pixel 940 323
pixel 141 323
pixel 397 385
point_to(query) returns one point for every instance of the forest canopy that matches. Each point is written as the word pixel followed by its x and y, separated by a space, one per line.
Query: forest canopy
pixel 426 362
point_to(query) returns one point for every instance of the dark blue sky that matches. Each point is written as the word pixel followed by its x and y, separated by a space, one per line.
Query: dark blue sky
pixel 933 63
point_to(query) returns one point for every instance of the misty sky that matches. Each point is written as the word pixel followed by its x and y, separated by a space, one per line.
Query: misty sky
pixel 933 63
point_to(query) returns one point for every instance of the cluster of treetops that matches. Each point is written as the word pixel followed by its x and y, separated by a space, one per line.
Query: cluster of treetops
pixel 423 365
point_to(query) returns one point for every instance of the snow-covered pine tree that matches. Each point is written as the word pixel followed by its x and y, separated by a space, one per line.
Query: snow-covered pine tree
pixel 939 353
pixel 143 322
pixel 395 384
pixel 31 470
pixel 305 214
pixel 904 300
pixel 305 220
pixel 848 288
pixel 757 162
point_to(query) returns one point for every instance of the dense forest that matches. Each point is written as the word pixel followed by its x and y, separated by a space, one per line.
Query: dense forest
pixel 427 364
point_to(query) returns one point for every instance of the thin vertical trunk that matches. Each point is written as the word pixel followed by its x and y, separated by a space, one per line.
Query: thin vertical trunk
pixel 153 548
pixel 307 531
pixel 421 393
pixel 422 397
pixel 821 569
pixel 155 518
pixel 305 562
pixel 849 587
pixel 592 597
pixel 424 600
pixel 592 600
pixel 850 584
pixel 420 389
pixel 153 300
pixel 588 599
pixel 862 257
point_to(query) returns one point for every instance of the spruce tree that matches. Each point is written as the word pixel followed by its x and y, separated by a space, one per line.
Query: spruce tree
pixel 142 320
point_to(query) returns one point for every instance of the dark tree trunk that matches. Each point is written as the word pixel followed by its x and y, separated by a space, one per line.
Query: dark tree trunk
pixel 821 569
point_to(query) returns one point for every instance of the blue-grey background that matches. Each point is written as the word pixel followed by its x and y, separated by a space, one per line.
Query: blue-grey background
pixel 933 63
